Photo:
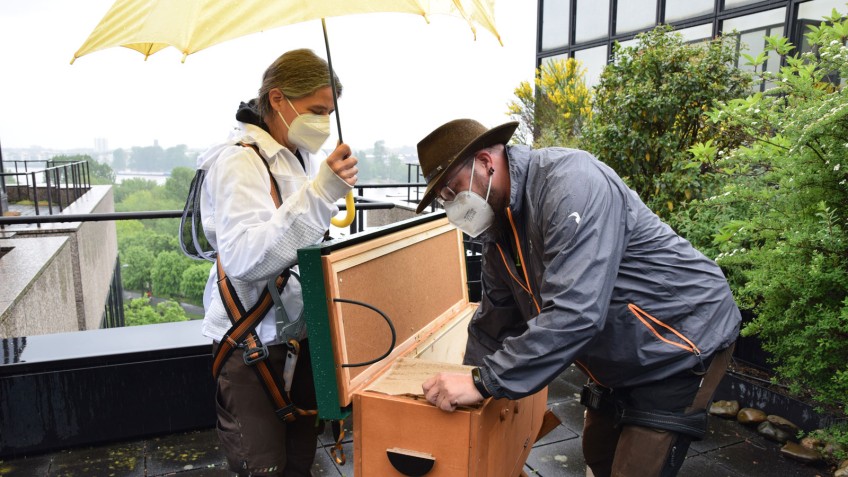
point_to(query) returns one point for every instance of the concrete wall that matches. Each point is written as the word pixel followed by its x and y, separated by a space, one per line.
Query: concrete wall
pixel 401 211
pixel 38 294
pixel 96 245
pixel 92 248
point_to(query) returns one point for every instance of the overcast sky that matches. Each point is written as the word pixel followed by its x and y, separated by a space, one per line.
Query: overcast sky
pixel 402 77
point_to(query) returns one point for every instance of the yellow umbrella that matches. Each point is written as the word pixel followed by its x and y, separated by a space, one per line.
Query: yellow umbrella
pixel 148 26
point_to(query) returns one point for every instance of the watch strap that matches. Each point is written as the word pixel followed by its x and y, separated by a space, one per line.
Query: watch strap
pixel 477 378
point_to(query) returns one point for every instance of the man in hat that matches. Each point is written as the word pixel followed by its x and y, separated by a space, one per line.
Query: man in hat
pixel 576 269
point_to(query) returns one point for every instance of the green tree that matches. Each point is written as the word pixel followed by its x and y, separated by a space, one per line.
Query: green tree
pixel 149 240
pixel 650 109
pixel 167 271
pixel 140 312
pixel 553 113
pixel 193 281
pixel 119 159
pixel 152 200
pixel 177 156
pixel 148 158
pixel 99 172
pixel 136 265
pixel 783 219
pixel 177 185
pixel 130 186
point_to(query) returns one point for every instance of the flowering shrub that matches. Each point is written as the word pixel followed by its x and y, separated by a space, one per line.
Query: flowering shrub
pixel 553 113
pixel 783 220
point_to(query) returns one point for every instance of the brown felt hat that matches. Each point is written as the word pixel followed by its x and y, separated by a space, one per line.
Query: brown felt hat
pixel 453 141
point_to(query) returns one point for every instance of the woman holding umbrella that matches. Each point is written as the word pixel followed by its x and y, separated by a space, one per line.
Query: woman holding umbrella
pixel 256 234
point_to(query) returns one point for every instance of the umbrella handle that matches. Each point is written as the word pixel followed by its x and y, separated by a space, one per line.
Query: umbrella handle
pixel 351 212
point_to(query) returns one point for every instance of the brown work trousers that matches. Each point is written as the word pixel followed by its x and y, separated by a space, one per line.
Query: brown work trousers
pixel 634 451
pixel 255 441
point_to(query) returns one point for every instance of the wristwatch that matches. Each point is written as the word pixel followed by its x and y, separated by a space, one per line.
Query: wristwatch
pixel 478 383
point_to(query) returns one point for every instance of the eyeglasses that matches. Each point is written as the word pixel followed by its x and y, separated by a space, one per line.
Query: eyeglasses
pixel 446 194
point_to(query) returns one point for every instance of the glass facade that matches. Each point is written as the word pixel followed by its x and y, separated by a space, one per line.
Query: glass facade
pixel 697 33
pixel 676 10
pixel 592 20
pixel 753 30
pixel 555 24
pixel 590 33
pixel 812 14
pixel 594 60
pixel 634 15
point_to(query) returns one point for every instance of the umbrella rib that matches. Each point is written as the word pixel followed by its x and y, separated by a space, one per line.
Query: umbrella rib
pixel 467 18
pixel 424 12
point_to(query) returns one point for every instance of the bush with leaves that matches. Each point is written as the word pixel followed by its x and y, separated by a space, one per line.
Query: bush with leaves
pixel 193 281
pixel 784 221
pixel 140 312
pixel 167 272
pixel 553 113
pixel 650 109
pixel 136 265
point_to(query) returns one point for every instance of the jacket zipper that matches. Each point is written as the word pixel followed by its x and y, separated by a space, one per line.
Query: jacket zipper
pixel 526 284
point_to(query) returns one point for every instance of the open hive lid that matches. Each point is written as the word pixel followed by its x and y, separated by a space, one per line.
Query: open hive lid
pixel 414 272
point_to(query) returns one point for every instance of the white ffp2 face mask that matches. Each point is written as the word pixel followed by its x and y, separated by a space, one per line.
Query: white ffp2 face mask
pixel 469 212
pixel 308 131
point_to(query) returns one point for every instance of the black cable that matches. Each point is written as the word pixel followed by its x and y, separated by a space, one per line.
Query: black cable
pixel 391 327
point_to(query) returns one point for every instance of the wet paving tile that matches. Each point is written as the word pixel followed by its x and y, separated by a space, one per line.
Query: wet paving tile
pixel 115 460
pixel 722 433
pixel 183 452
pixel 570 413
pixel 560 459
pixel 702 466
pixel 729 450
pixel 26 467
pixel 761 457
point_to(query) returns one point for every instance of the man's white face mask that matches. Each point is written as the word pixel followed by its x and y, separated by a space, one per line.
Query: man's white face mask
pixel 308 131
pixel 469 212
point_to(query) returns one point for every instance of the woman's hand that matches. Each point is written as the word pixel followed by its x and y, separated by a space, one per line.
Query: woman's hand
pixel 343 164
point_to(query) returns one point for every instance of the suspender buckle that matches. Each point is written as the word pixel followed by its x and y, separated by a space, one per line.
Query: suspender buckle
pixel 255 355
pixel 287 413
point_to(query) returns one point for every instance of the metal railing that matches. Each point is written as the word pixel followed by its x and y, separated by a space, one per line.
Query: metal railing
pixel 58 181
pixel 113 312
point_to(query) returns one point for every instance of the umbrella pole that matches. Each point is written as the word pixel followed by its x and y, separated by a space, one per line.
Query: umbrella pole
pixel 332 80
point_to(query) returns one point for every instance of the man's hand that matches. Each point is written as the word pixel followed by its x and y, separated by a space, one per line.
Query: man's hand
pixel 343 164
pixel 449 390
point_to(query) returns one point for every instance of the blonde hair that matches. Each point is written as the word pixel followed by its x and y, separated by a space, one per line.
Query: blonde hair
pixel 297 73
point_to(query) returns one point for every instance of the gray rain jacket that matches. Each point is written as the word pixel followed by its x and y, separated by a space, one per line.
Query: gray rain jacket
pixel 600 282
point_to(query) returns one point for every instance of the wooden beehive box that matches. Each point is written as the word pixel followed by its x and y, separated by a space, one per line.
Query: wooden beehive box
pixel 414 273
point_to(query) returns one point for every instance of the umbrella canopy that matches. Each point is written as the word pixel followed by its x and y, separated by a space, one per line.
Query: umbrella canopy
pixel 148 26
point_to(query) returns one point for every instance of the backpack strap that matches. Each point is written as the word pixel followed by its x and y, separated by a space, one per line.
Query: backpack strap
pixel 242 333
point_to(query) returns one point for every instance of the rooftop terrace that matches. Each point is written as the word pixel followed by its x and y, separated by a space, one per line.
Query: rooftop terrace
pixel 730 449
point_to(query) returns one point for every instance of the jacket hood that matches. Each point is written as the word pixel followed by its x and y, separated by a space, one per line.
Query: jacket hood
pixel 249 113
